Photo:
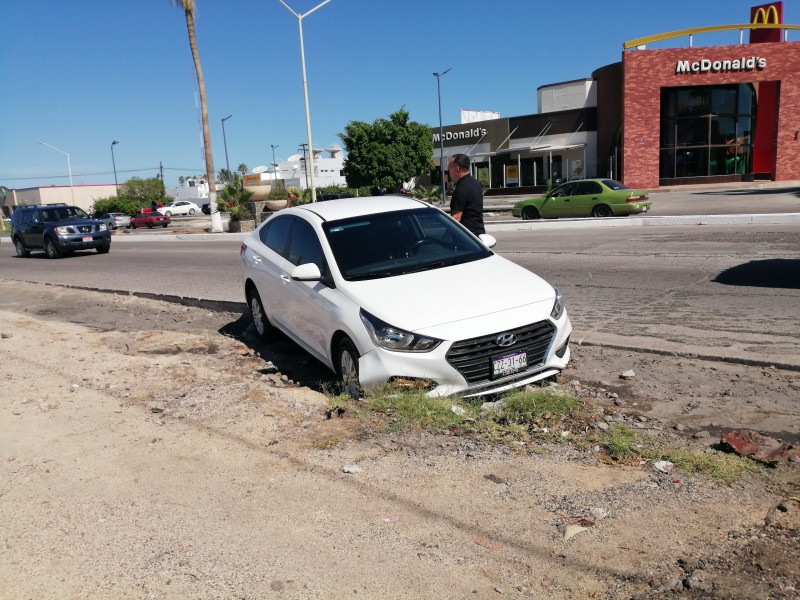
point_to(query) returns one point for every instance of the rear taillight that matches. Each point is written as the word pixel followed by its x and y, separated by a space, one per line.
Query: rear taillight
pixel 242 248
pixel 637 198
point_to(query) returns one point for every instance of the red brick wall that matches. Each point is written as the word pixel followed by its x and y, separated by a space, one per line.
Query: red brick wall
pixel 645 72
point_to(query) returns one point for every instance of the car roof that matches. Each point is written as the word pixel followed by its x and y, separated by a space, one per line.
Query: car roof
pixel 344 208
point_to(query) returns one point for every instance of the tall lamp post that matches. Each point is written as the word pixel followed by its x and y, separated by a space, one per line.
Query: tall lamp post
pixel 225 140
pixel 310 164
pixel 274 164
pixel 114 162
pixel 69 168
pixel 441 134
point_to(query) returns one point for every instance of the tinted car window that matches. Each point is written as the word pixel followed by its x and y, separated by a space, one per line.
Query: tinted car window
pixel 614 185
pixel 394 243
pixel 563 190
pixel 587 187
pixel 305 247
pixel 275 234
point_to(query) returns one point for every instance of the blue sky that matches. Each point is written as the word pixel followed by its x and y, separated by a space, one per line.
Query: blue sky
pixel 78 75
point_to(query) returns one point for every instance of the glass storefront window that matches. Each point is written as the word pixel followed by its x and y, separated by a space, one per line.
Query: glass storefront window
pixel 706 131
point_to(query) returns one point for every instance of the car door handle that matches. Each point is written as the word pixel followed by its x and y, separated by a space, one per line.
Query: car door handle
pixel 286 278
pixel 257 259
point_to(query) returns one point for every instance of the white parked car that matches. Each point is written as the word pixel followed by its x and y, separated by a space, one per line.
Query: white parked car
pixel 392 288
pixel 179 207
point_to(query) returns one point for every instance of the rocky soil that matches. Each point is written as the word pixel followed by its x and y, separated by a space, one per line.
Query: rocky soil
pixel 151 450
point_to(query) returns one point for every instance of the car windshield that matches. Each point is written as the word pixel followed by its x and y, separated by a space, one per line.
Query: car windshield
pixel 400 242
pixel 614 185
pixel 63 213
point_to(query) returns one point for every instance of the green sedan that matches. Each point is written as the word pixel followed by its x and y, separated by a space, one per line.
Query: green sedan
pixel 585 198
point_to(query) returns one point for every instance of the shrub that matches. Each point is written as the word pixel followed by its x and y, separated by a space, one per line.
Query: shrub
pixel 122 204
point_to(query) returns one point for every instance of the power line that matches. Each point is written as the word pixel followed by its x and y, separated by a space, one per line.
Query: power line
pixel 200 170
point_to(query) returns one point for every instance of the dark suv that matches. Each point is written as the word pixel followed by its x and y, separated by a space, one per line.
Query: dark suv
pixel 58 229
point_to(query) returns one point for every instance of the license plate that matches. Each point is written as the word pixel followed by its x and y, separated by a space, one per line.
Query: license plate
pixel 87 238
pixel 506 365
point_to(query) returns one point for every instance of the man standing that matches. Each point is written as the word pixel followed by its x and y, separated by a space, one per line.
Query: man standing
pixel 466 205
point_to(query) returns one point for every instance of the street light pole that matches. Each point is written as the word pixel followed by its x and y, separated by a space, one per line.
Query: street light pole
pixel 310 164
pixel 274 164
pixel 114 162
pixel 225 140
pixel 441 134
pixel 69 168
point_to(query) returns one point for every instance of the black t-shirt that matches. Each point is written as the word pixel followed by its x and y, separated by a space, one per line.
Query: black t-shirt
pixel 468 200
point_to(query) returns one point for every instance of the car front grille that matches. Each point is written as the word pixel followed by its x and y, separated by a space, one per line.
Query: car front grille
pixel 473 357
pixel 84 228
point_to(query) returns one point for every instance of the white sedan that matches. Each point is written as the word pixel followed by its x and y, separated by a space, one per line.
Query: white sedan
pixel 390 288
pixel 179 207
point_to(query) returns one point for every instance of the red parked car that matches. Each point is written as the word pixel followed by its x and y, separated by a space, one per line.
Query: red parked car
pixel 149 219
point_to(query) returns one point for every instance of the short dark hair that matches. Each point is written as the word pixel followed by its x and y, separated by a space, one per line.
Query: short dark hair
pixel 462 160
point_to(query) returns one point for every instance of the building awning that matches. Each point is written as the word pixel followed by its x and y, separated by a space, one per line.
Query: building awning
pixel 537 149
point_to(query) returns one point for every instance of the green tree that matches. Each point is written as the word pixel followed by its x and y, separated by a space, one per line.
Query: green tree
pixel 129 206
pixel 143 191
pixel 388 152
pixel 242 168
pixel 224 176
pixel 188 11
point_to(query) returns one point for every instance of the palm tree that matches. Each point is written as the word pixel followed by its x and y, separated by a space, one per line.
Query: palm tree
pixel 242 168
pixel 188 10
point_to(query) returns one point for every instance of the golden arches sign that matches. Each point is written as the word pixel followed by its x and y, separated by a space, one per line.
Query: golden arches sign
pixel 673 34
pixel 766 15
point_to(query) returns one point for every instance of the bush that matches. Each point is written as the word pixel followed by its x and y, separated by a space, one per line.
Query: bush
pixel 122 204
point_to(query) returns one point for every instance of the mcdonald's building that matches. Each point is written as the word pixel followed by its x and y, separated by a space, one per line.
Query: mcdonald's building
pixel 725 114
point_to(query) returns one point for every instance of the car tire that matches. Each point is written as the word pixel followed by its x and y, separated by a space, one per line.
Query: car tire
pixel 22 251
pixel 51 249
pixel 168 214
pixel 149 225
pixel 164 225
pixel 347 366
pixel 264 329
pixel 132 225
pixel 192 211
pixel 103 249
pixel 601 211
pixel 529 213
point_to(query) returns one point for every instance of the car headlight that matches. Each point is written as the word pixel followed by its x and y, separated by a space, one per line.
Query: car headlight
pixel 63 230
pixel 393 338
pixel 558 306
pixel 102 227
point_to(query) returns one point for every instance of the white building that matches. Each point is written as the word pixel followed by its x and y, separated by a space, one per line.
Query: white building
pixel 328 170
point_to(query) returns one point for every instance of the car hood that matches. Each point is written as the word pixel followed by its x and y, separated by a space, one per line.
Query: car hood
pixel 421 301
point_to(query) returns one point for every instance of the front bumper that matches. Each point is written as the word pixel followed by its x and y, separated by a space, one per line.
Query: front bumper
pixel 379 366
pixel 85 241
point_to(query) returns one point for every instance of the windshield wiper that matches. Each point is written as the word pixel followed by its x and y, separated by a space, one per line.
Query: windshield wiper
pixel 372 275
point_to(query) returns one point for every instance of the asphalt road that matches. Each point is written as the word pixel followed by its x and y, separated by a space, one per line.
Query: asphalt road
pixel 728 291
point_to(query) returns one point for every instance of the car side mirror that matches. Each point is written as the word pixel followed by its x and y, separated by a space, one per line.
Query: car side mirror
pixel 488 240
pixel 306 272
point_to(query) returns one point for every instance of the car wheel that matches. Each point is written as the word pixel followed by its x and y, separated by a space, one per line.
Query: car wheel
pixel 601 211
pixel 132 225
pixel 529 213
pixel 103 249
pixel 347 366
pixel 51 249
pixel 192 211
pixel 22 251
pixel 168 213
pixel 261 323
pixel 164 225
